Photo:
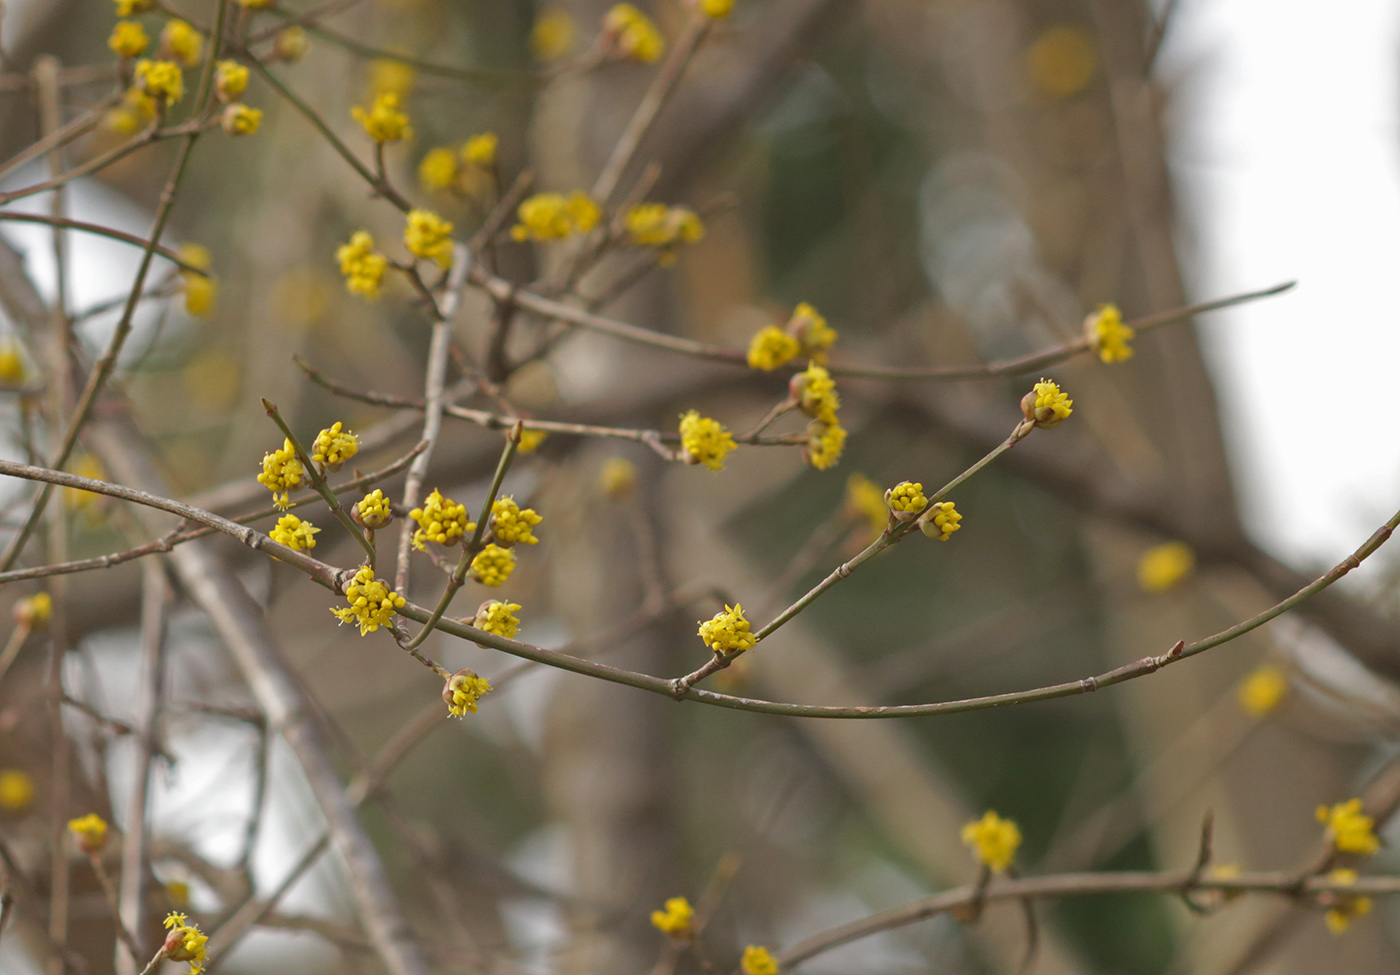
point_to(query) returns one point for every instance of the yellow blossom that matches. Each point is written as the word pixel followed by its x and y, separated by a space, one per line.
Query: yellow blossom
pixel 201 290
pixel 136 110
pixel 480 150
pixel 177 892
pixel 1344 907
pixel 282 474
pixel 294 533
pixel 240 119
pixel 1349 829
pixel 771 347
pixel 496 616
pixel 334 446
pixel 128 39
pixel 373 511
pixel 440 520
pixel 1045 405
pixel 162 80
pixel 362 266
pixel 666 228
pixel 438 170
pixel 727 632
pixel 130 8
pixel 1062 60
pixel 993 840
pixel 383 122
pixel 33 611
pixel 705 441
pixel 825 441
pixel 493 565
pixel 12 369
pixel 812 331
pixel 182 43
pixel 633 34
pixel 716 9
pixel 906 498
pixel 941 521
pixel 390 76
pixel 1262 690
pixel 758 961
pixel 230 81
pixel 512 524
pixel 185 942
pixel 1107 334
pixel 90 831
pixel 16 790
pixel 428 236
pixel 372 603
pixel 1164 566
pixel 553 216
pixel 864 499
pixel 816 394
pixel 552 35
pixel 583 211
pixel 618 478
pixel 462 691
pixel 530 440
pixel 78 499
pixel 675 919
pixel 291 44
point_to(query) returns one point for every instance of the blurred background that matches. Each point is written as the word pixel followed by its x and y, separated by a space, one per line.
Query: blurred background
pixel 948 182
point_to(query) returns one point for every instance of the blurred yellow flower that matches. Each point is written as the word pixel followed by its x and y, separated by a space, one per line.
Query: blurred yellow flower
pixel 1164 566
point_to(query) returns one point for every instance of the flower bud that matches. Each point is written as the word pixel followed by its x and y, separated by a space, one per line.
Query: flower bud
pixel 34 611
pixel 291 44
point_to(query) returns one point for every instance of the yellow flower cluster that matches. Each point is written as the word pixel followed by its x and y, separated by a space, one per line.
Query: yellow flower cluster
pixel 993 840
pixel 493 565
pixel 1345 907
pixel 675 919
pixel 495 616
pixel 941 521
pixel 33 611
pixel 445 168
pixel 1045 405
pixel 705 441
pixel 480 150
pixel 282 474
pixel 294 533
pixel 632 34
pixel 666 228
pixel 1164 566
pixel 554 216
pixel 617 478
pixel 128 39
pixel 511 523
pixel 825 441
pixel 240 119
pixel 201 290
pixel 813 333
pixel 16 790
pixel 334 446
pixel 230 81
pixel 1262 689
pixel 727 632
pixel 130 8
pixel 552 35
pixel 372 603
pixel 440 520
pixel 362 266
pixel 185 942
pixel 12 368
pixel 182 43
pixel 864 499
pixel 906 497
pixel 758 960
pixel 530 440
pixel 816 394
pixel 373 511
pixel 771 347
pixel 291 44
pixel 90 831
pixel 428 236
pixel 716 9
pixel 463 690
pixel 1107 334
pixel 1350 830
pixel 383 122
pixel 161 80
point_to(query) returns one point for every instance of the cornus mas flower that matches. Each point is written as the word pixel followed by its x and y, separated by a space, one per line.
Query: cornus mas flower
pixel 530 440
pixel 618 478
pixel 1349 829
pixel 130 8
pixel 511 524
pixel 462 690
pixel 333 447
pixel 428 236
pixel 372 603
pixel 182 43
pixel 992 840
pixel 383 122
pixel 16 790
pixel 438 170
pixel 1344 907
pixel 90 831
pixel 825 441
pixel 1107 334
pixel 291 44
pixel 864 499
pixel 493 565
pixel 12 368
pixel 1164 566
pixel 373 511
pixel 162 80
pixel 495 616
pixel 128 39
pixel 1045 405
pixel 705 441
pixel 663 227
pixel 815 392
pixel 33 611
pixel 758 960
pixel 675 919
pixel 553 216
pixel 552 35
pixel 230 81
pixel 440 520
pixel 480 150
pixel 727 632
pixel 294 533
pixel 812 331
pixel 282 474
pixel 906 498
pixel 632 34
pixel 1261 690
pixel 201 290
pixel 941 521
pixel 716 9
pixel 240 119
pixel 771 347
pixel 185 942
pixel 362 266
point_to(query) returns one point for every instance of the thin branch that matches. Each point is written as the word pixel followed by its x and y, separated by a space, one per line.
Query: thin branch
pixel 101 231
